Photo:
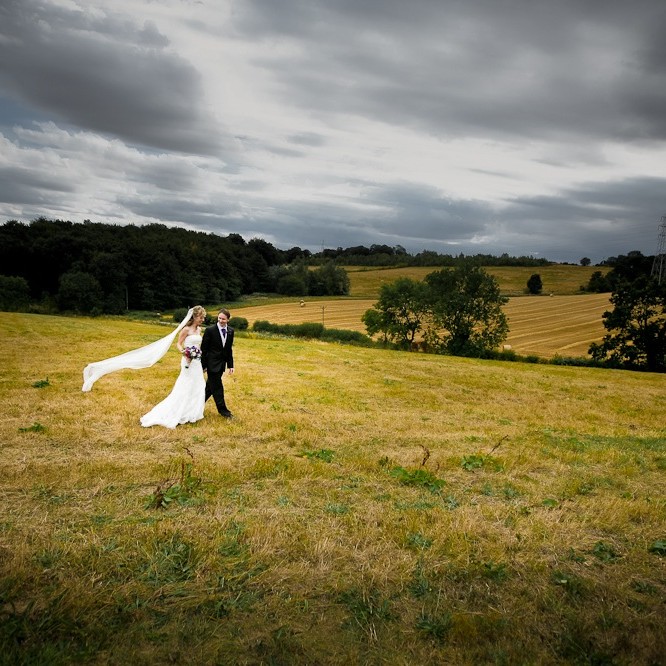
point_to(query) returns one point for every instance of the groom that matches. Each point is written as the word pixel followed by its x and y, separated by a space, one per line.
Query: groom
pixel 217 355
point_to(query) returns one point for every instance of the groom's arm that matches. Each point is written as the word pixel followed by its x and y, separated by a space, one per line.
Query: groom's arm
pixel 230 351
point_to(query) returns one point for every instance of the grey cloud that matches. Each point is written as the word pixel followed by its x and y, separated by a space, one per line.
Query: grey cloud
pixel 483 68
pixel 307 139
pixel 30 187
pixel 217 216
pixel 104 74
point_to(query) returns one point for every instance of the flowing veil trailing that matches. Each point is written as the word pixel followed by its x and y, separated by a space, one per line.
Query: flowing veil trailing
pixel 135 359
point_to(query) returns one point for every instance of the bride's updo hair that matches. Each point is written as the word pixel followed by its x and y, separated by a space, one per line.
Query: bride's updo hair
pixel 197 310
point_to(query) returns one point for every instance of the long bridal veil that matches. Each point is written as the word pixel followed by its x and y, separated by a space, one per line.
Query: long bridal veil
pixel 135 359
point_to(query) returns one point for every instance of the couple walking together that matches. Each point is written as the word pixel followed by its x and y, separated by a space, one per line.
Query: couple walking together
pixel 211 352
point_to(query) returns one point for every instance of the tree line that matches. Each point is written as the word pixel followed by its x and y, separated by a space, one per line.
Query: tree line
pixel 95 268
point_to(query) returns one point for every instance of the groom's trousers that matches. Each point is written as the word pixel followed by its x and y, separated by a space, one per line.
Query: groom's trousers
pixel 215 388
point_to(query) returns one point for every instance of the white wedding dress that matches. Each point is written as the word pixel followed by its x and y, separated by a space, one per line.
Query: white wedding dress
pixel 185 403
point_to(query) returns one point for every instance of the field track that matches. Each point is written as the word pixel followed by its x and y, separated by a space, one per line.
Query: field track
pixel 542 325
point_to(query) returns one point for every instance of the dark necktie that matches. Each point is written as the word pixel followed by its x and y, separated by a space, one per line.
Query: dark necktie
pixel 224 336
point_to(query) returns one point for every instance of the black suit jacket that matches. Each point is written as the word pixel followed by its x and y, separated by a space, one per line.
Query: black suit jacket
pixel 214 356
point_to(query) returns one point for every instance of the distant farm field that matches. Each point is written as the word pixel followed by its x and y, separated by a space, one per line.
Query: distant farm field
pixel 540 325
pixel 558 279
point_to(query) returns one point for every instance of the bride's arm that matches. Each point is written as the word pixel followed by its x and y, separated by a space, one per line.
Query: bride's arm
pixel 181 338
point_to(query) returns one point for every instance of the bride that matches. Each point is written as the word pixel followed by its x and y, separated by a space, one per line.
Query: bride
pixel 185 403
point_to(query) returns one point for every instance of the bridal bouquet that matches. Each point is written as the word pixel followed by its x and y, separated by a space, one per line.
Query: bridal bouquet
pixel 191 353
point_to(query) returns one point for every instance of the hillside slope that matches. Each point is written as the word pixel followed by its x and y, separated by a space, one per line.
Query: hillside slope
pixel 364 506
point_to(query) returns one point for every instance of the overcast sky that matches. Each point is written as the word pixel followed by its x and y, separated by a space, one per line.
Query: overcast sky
pixel 532 127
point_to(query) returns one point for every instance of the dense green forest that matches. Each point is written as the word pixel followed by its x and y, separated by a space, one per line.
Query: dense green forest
pixel 56 265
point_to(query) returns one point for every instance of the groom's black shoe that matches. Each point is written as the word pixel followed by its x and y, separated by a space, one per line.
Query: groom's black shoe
pixel 227 414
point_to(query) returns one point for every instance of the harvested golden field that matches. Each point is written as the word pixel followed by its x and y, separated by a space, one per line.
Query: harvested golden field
pixel 557 279
pixel 540 325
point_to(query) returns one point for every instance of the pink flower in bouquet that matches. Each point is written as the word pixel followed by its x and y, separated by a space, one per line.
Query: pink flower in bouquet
pixel 191 353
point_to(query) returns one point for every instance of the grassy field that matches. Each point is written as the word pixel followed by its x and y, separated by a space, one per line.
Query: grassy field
pixel 364 507
pixel 540 325
pixel 557 279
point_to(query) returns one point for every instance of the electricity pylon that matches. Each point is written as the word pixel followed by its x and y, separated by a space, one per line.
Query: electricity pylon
pixel 659 263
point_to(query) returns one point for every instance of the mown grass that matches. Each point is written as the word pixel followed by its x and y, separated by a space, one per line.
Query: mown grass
pixel 365 506
pixel 557 279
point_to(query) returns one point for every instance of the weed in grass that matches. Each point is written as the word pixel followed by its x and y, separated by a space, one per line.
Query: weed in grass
pixel 472 462
pixel 367 609
pixel 510 492
pixel 417 541
pixel 658 547
pixel 49 558
pixel 336 509
pixel 477 461
pixel 418 477
pixel 35 427
pixel 496 572
pixel 573 556
pixel 41 383
pixel 419 585
pixel 605 552
pixel 643 587
pixel 572 584
pixel 435 627
pixel 183 490
pixel 549 503
pixel 450 502
pixel 326 455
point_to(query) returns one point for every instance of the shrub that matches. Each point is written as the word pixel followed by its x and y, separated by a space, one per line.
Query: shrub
pixel 263 326
pixel 239 323
pixel 306 330
pixel 14 293
pixel 345 335
pixel 179 314
pixel 534 284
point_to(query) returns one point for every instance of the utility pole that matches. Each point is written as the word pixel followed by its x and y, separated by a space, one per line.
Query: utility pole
pixel 659 263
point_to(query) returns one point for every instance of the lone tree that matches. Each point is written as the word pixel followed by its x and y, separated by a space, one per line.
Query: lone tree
pixel 534 284
pixel 398 314
pixel 636 328
pixel 465 307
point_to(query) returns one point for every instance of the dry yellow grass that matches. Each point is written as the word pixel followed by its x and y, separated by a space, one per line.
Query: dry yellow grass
pixel 365 506
pixel 540 325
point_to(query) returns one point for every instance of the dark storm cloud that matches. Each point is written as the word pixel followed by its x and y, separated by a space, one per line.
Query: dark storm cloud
pixel 484 68
pixel 595 219
pixel 103 73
